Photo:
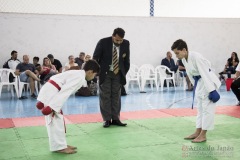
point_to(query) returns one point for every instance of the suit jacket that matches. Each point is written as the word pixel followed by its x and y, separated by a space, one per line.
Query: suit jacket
pixel 103 55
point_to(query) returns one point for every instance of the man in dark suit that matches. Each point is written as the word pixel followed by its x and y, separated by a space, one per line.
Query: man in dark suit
pixel 113 55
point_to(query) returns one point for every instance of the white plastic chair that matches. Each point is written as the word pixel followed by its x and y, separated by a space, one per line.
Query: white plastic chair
pixel 147 73
pixel 162 75
pixel 132 76
pixel 4 80
pixel 181 81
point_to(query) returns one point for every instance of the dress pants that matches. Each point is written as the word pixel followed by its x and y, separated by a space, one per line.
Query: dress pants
pixel 110 97
pixel 235 88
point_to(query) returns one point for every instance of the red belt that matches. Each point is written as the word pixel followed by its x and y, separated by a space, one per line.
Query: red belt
pixel 55 84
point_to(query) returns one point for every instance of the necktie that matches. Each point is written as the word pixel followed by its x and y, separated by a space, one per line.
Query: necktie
pixel 115 61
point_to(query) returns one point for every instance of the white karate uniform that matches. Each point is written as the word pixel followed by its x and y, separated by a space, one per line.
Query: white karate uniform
pixel 49 95
pixel 198 65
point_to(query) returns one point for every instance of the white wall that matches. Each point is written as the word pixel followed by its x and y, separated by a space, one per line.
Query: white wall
pixel 150 38
pixel 163 8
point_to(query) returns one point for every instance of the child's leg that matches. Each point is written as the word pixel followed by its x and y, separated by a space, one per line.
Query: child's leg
pixel 208 112
pixel 194 135
pixel 56 132
pixel 198 121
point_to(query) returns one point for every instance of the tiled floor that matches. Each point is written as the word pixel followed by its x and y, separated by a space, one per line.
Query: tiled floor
pixel 151 139
pixel 157 123
pixel 134 101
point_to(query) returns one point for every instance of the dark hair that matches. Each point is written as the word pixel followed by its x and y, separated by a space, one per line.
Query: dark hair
pixel 50 56
pixel 92 65
pixel 70 56
pixel 236 56
pixel 179 45
pixel 119 31
pixel 82 53
pixel 13 52
pixel 36 58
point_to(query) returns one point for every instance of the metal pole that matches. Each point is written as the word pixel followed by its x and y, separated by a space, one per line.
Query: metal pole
pixel 151 8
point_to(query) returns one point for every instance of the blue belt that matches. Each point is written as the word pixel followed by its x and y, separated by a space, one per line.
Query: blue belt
pixel 196 78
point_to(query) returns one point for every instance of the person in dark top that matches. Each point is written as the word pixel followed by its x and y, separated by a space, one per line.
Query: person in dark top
pixel 80 60
pixel 12 64
pixel 36 64
pixel 230 67
pixel 113 55
pixel 28 73
pixel 56 63
pixel 169 62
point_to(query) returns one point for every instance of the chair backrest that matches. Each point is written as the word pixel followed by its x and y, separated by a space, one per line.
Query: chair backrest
pixel 147 71
pixel 133 72
pixel 4 75
pixel 161 70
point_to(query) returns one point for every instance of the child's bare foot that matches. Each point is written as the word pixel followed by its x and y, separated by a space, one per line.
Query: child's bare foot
pixel 199 139
pixel 193 136
pixel 67 151
pixel 71 147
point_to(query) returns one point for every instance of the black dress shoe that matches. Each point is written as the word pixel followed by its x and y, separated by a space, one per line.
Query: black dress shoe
pixel 106 124
pixel 23 97
pixel 123 94
pixel 118 123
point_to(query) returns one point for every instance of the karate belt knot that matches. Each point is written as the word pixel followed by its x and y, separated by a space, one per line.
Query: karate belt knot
pixel 196 78
pixel 61 112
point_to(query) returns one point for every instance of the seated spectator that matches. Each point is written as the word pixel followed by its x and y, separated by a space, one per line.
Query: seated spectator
pixel 169 62
pixel 230 67
pixel 183 72
pixel 236 84
pixel 36 64
pixel 71 64
pixel 47 70
pixel 92 85
pixel 56 63
pixel 87 57
pixel 28 73
pixel 12 64
pixel 80 60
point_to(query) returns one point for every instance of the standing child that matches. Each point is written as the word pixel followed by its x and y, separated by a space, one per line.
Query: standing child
pixel 54 94
pixel 205 82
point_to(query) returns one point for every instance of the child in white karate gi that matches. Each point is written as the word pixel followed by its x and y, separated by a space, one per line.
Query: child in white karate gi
pixel 54 94
pixel 205 82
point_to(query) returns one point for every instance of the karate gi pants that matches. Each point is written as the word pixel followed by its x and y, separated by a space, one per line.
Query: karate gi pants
pixel 55 124
pixel 205 108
